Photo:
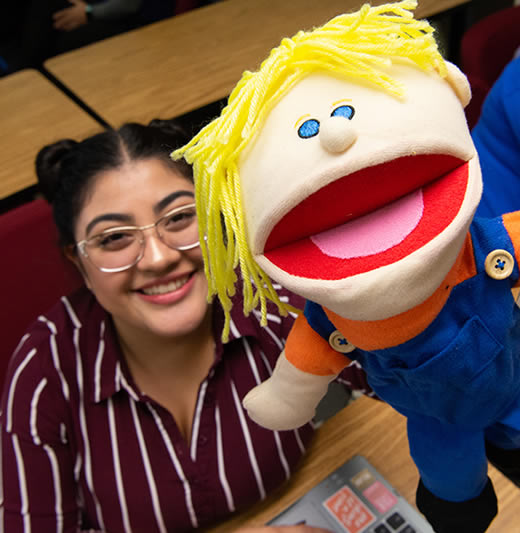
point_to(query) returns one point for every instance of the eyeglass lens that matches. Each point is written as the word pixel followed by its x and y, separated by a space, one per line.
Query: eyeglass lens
pixel 122 247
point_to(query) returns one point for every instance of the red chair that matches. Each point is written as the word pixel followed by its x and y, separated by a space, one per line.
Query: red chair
pixel 486 48
pixel 34 273
pixel 181 6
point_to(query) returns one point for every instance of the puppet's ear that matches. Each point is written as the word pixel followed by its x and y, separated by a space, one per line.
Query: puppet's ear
pixel 459 83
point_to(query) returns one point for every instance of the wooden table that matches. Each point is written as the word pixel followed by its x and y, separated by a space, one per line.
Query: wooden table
pixel 33 113
pixel 373 429
pixel 183 63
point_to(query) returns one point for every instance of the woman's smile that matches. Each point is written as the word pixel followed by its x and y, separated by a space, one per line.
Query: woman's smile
pixel 168 292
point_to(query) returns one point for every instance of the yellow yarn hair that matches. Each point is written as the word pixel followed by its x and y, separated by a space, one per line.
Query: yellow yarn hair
pixel 359 45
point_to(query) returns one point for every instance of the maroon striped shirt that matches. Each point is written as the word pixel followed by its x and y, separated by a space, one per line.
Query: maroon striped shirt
pixel 83 449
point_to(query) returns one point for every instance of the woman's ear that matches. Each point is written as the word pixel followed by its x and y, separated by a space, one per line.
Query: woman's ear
pixel 71 254
pixel 459 83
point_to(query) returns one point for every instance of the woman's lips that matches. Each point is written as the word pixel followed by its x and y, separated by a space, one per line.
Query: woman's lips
pixel 167 293
pixel 324 256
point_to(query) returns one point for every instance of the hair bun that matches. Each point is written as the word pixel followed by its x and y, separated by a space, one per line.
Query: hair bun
pixel 48 166
pixel 172 128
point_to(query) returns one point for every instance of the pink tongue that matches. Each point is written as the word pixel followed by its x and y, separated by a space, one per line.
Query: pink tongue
pixel 375 232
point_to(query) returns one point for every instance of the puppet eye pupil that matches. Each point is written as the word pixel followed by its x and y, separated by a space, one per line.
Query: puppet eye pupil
pixel 346 111
pixel 309 128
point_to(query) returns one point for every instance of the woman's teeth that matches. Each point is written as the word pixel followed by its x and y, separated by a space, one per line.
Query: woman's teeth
pixel 167 287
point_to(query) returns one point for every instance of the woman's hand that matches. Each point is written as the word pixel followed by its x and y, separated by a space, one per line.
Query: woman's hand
pixel 70 18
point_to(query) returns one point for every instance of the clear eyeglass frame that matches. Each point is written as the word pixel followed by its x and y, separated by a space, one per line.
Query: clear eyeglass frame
pixel 83 244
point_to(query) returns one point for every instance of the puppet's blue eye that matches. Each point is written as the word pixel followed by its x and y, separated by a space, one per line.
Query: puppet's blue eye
pixel 346 111
pixel 309 128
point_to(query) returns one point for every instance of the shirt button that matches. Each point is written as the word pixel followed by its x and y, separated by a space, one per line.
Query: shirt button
pixel 499 264
pixel 339 343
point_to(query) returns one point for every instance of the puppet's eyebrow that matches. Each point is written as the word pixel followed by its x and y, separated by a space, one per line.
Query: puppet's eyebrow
pixel 341 101
pixel 300 119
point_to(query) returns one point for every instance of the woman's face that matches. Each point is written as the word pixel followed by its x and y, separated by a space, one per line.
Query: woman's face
pixel 165 292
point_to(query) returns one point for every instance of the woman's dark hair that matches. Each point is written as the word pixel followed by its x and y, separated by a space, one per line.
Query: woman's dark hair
pixel 67 169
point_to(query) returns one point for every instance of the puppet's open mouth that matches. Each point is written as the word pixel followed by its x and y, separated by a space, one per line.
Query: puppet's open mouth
pixel 369 219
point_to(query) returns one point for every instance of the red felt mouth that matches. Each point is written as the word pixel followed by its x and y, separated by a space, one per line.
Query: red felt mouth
pixel 443 180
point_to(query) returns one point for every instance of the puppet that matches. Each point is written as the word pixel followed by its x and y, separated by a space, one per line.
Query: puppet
pixel 344 170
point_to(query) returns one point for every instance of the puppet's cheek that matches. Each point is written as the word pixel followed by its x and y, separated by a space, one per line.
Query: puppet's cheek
pixel 373 233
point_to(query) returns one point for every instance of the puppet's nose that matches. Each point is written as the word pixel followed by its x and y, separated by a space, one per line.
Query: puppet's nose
pixel 337 134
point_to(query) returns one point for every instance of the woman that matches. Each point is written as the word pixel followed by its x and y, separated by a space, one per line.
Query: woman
pixel 122 409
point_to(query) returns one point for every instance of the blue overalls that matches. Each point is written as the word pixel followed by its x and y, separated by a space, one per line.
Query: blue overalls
pixel 457 382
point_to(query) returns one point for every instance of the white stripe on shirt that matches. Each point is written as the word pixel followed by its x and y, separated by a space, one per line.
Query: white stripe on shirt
pixel 49 324
pixel 221 466
pixel 72 314
pixel 148 469
pixel 24 507
pixel 281 454
pixel 77 467
pixel 57 366
pixel 266 363
pixel 21 342
pixel 122 380
pixel 233 328
pixel 196 420
pixel 84 429
pixel 55 356
pixel 12 389
pixel 99 360
pixel 34 411
pixel 57 487
pixel 178 467
pixel 251 360
pixel 117 466
pixel 299 440
pixel 249 444
pixel 63 433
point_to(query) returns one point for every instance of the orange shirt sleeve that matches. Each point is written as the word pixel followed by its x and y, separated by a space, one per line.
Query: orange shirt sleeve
pixel 311 353
pixel 512 225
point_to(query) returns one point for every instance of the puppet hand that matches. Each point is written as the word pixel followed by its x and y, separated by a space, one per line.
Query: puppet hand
pixel 288 399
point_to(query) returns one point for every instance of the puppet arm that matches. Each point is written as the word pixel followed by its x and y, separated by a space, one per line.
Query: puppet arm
pixel 512 225
pixel 300 379
pixel 454 492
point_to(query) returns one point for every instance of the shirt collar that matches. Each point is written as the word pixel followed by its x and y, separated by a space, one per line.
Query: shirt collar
pixel 111 374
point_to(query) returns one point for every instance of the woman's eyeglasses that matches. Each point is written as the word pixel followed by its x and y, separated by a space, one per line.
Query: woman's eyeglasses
pixel 118 249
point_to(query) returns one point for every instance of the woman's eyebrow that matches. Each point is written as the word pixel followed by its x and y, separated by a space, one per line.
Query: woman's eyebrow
pixel 167 200
pixel 113 217
pixel 128 219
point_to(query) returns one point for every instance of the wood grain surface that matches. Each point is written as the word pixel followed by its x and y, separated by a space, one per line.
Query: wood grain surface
pixel 185 62
pixel 33 113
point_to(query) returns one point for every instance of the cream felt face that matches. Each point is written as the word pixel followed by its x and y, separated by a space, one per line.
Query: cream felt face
pixel 358 200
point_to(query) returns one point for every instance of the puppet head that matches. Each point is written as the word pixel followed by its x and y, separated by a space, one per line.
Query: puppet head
pixel 343 169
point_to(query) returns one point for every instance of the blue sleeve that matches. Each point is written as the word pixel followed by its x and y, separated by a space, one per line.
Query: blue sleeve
pixel 451 460
pixel 318 320
pixel 497 139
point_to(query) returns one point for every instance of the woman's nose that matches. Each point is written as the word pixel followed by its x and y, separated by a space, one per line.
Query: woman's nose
pixel 337 134
pixel 156 253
